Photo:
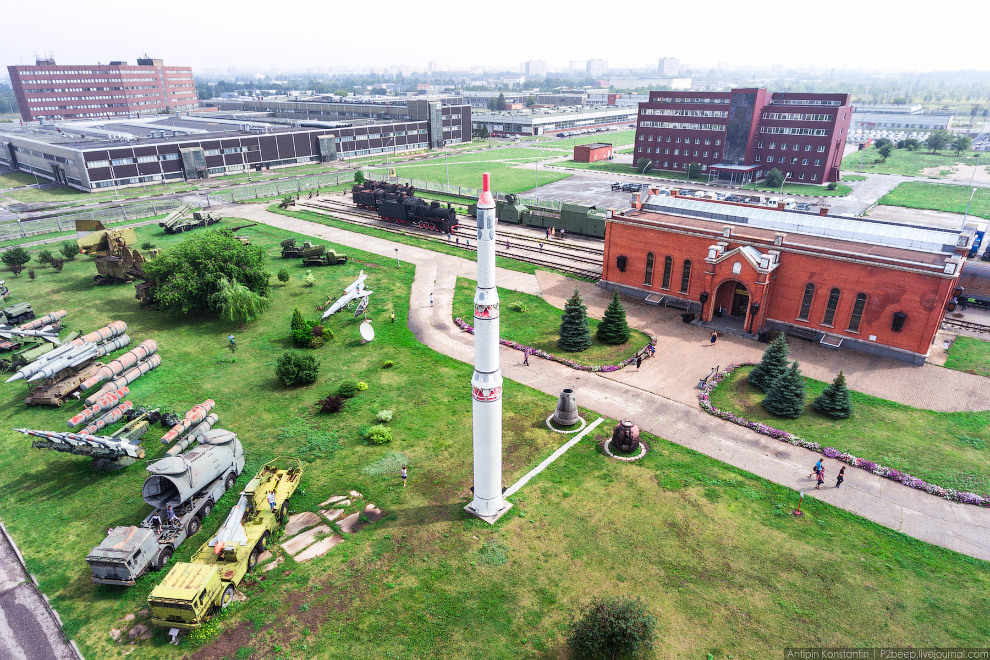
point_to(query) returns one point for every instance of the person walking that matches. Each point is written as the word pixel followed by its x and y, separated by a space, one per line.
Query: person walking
pixel 431 299
pixel 818 466
pixel 271 500
pixel 639 361
pixel 457 241
pixel 405 475
pixel 821 478
pixel 526 356
pixel 653 349
pixel 548 233
pixel 541 246
pixel 393 317
pixel 713 338
pixel 231 343
pixel 841 477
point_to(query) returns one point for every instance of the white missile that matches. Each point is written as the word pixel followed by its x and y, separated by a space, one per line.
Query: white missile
pixel 232 531
pixel 85 353
pixel 486 383
pixel 353 291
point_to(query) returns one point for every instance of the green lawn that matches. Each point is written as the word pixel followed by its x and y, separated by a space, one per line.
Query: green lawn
pixel 853 177
pixel 466 169
pixel 712 550
pixel 615 138
pixel 948 449
pixel 626 168
pixel 902 161
pixel 970 355
pixel 939 197
pixel 538 323
pixel 59 234
pixel 803 189
pixel 16 179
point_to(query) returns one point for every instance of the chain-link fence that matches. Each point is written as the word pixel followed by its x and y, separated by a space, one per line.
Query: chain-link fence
pixel 24 227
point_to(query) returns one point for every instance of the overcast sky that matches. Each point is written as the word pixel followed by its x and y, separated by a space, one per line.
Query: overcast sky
pixel 297 34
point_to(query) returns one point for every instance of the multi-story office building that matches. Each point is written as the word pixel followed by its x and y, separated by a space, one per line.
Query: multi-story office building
pixel 596 68
pixel 669 66
pixel 535 69
pixel 740 135
pixel 49 91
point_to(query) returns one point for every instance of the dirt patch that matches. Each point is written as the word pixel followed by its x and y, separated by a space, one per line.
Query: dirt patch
pixel 227 644
pixel 960 172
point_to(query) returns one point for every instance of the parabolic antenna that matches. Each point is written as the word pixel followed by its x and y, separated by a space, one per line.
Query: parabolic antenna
pixel 367 332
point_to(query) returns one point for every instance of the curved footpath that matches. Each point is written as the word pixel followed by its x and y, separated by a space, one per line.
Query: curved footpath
pixel 960 527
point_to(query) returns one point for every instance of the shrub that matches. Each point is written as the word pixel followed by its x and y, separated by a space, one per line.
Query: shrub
pixel 517 307
pixel 378 434
pixel 297 369
pixel 832 186
pixel 283 275
pixel 14 257
pixel 348 389
pixel 57 264
pixel 388 364
pixel 69 250
pixel 774 178
pixel 31 273
pixel 359 177
pixel 147 245
pixel 362 386
pixel 45 257
pixel 309 279
pixel 613 627
pixel 834 400
pixel 297 319
pixel 285 202
pixel 332 404
pixel 384 416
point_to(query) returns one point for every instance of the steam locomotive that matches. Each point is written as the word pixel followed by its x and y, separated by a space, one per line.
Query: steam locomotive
pixel 398 204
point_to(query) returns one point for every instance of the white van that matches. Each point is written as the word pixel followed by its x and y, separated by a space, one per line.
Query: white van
pixel 772 202
pixel 790 204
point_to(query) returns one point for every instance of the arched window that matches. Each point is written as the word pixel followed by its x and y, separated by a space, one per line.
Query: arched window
pixel 686 276
pixel 809 295
pixel 668 265
pixel 648 279
pixel 833 302
pixel 857 314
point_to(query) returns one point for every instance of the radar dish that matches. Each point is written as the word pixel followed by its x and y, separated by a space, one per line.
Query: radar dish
pixel 367 332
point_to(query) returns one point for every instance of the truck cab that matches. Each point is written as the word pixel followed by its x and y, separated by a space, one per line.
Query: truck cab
pixel 123 555
pixel 188 595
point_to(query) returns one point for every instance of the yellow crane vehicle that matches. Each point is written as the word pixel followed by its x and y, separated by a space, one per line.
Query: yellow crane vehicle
pixel 193 591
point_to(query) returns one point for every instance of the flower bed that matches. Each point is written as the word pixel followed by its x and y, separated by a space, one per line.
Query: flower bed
pixel 466 327
pixel 830 452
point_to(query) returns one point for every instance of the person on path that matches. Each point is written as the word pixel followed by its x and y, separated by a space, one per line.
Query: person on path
pixel 652 349
pixel 842 476
pixel 639 361
pixel 271 500
pixel 231 343
pixel 457 241
pixel 817 468
pixel 405 475
pixel 393 317
pixel 821 478
pixel 713 338
pixel 548 233
pixel 431 299
pixel 561 234
pixel 526 357
pixel 541 246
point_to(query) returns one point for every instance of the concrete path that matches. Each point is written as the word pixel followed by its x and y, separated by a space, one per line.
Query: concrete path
pixel 960 527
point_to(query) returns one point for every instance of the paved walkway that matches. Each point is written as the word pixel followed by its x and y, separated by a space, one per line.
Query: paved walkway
pixel 959 527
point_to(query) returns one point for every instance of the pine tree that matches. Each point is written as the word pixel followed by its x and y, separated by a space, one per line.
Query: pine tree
pixel 574 333
pixel 834 400
pixel 297 319
pixel 772 366
pixel 786 395
pixel 613 329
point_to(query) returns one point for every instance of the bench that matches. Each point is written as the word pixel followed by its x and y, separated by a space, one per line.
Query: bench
pixel 804 333
pixel 677 302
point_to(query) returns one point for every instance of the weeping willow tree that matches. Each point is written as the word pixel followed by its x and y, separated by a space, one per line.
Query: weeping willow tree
pixel 238 303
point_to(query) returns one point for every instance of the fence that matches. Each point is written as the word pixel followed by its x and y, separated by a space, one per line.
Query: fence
pixel 24 227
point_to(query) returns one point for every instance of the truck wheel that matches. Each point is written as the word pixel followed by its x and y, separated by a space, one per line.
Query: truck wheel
pixel 207 509
pixel 192 526
pixel 163 558
pixel 253 558
pixel 229 481
pixel 263 541
pixel 227 597
pixel 282 513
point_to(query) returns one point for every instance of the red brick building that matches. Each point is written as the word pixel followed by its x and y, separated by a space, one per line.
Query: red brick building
pixel 740 135
pixel 853 283
pixel 590 153
pixel 49 91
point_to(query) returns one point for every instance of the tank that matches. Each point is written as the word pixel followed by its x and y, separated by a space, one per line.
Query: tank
pixel 16 314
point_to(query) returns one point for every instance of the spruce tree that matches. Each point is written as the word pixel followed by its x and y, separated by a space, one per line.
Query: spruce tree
pixel 574 333
pixel 297 320
pixel 834 400
pixel 772 366
pixel 613 329
pixel 786 395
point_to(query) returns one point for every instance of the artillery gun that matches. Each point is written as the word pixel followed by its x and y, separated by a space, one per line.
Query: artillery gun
pixel 291 251
pixel 115 261
pixel 194 590
pixel 191 483
pixel 328 258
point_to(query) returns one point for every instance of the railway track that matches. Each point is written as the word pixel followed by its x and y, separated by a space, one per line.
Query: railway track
pixel 574 264
pixel 966 325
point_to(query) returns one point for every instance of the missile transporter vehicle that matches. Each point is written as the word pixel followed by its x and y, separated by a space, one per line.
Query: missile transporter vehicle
pixel 192 483
pixel 291 251
pixel 16 314
pixel 193 591
pixel 328 258
pixel 177 226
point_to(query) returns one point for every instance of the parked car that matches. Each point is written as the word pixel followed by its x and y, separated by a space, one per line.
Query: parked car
pixel 561 134
pixel 733 198
pixel 802 206
pixel 616 185
pixel 684 192
pixel 630 187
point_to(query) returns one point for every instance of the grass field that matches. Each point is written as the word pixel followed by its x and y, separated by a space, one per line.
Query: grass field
pixel 68 234
pixel 802 189
pixel 615 138
pixel 466 169
pixel 902 161
pixel 949 449
pixel 712 550
pixel 538 324
pixel 970 355
pixel 627 169
pixel 16 180
pixel 939 197
pixel 853 177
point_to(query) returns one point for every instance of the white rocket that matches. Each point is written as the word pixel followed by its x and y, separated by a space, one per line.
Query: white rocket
pixel 486 383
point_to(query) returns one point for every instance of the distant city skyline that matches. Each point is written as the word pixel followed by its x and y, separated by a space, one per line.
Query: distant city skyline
pixel 250 35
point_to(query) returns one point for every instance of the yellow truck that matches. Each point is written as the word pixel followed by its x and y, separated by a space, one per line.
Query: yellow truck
pixel 193 591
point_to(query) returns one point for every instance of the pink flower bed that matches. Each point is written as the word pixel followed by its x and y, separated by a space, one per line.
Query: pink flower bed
pixel 599 368
pixel 830 452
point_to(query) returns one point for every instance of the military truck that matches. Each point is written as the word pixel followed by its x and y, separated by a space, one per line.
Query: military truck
pixel 192 483
pixel 16 314
pixel 4 291
pixel 198 219
pixel 328 258
pixel 192 591
pixel 291 251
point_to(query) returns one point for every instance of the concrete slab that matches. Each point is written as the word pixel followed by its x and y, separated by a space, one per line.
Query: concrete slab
pixel 334 500
pixel 331 514
pixel 297 543
pixel 300 521
pixel 319 548
pixel 272 565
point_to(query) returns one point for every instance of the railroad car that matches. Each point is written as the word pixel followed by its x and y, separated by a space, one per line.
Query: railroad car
pixel 572 218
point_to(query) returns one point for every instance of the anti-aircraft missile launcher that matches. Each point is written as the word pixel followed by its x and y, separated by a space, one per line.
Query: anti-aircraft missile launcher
pixel 191 483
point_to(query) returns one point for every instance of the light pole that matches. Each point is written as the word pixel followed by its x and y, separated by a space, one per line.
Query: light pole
pixel 968 204
pixel 390 141
pixel 446 164
pixel 788 176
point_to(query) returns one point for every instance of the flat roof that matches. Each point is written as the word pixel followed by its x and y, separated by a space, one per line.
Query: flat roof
pixel 595 145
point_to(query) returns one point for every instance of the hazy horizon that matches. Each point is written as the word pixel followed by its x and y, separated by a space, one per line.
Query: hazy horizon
pixel 298 36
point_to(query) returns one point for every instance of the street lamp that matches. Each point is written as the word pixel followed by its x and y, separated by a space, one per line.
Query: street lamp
pixel 968 204
pixel 390 141
pixel 788 176
pixel 446 164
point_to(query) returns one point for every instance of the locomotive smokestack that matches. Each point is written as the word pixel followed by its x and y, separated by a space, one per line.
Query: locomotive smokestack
pixel 486 383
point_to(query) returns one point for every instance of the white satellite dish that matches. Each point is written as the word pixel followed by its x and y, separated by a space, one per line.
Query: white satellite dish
pixel 367 332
